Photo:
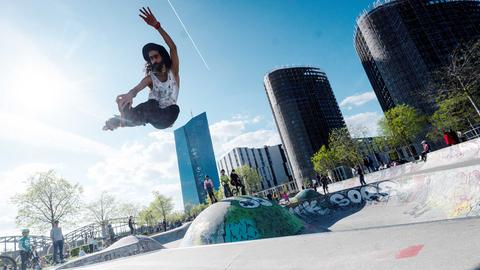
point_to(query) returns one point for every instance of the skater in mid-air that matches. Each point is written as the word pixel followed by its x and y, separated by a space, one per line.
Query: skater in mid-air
pixel 163 80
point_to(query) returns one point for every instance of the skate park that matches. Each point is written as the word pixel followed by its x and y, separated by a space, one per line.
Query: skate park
pixel 420 215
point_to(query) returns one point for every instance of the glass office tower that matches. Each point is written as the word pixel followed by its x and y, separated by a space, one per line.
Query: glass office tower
pixel 196 159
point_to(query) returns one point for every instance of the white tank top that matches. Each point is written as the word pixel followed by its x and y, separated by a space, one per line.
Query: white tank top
pixel 166 93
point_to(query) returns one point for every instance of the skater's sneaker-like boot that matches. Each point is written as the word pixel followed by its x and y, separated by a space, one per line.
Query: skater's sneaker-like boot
pixel 113 123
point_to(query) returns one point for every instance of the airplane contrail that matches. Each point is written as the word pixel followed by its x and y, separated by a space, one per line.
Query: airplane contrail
pixel 191 39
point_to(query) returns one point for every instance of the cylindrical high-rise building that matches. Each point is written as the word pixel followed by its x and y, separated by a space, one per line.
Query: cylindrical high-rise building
pixel 305 110
pixel 401 42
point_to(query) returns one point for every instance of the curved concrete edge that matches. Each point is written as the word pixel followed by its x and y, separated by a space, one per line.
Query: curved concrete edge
pixel 171 235
pixel 447 186
pixel 459 155
pixel 127 246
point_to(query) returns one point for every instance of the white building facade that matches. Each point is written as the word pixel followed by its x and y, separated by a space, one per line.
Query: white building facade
pixel 269 161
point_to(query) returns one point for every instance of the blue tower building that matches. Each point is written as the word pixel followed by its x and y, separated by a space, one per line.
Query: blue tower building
pixel 196 159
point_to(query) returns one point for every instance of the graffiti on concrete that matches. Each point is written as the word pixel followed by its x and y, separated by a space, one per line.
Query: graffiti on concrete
pixel 438 195
pixel 373 193
pixel 253 202
pixel 239 219
pixel 450 194
pixel 254 219
pixel 241 230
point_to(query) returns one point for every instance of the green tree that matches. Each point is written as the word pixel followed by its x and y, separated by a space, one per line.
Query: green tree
pixel 195 210
pixel 401 125
pixel 456 88
pixel 127 209
pixel 147 217
pixel 461 78
pixel 324 160
pixel 344 148
pixel 250 177
pixel 381 143
pixel 47 198
pixel 454 113
pixel 176 216
pixel 102 209
pixel 161 205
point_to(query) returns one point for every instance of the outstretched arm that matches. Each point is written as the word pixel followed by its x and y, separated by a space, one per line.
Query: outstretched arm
pixel 149 18
pixel 127 99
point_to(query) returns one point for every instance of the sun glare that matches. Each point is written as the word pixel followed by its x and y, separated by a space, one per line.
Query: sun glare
pixel 36 86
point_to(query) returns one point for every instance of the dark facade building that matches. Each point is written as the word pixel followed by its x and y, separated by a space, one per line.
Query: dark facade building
pixel 305 110
pixel 196 159
pixel 401 42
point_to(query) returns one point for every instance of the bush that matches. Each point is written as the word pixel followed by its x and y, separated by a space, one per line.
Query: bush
pixel 86 248
pixel 74 252
pixel 48 257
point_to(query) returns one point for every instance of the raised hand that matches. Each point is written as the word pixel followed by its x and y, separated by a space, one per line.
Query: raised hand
pixel 148 17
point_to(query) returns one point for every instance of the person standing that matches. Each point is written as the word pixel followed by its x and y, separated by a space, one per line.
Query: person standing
pixel 361 175
pixel 25 247
pixel 318 179
pixel 365 163
pixel 324 181
pixel 164 223
pixel 426 150
pixel 225 183
pixel 111 233
pixel 131 223
pixel 447 137
pixel 275 197
pixel 208 186
pixel 461 137
pixel 454 137
pixel 57 240
pixel 371 168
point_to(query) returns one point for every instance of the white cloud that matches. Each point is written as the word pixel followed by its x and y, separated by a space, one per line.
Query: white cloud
pixel 240 117
pixel 228 134
pixel 33 132
pixel 132 172
pixel 363 124
pixel 247 119
pixel 225 129
pixel 257 119
pixel 138 169
pixel 254 139
pixel 12 182
pixel 357 100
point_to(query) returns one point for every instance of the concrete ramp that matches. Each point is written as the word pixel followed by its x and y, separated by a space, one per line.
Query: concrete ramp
pixel 451 244
pixel 127 246
pixel 414 216
pixel 447 186
pixel 171 236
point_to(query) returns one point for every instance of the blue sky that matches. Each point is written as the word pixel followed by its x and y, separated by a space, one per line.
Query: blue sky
pixel 64 62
